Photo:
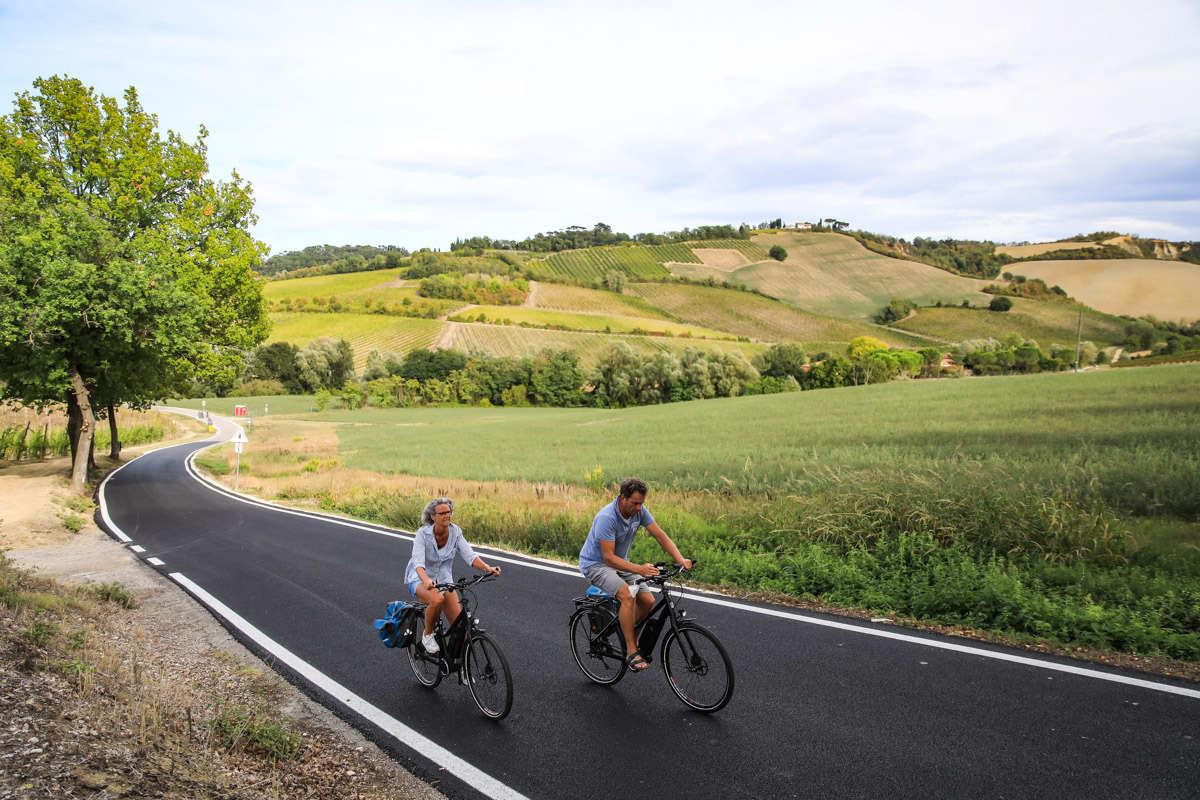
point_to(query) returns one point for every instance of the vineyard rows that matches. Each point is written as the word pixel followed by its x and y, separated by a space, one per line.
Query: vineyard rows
pixel 364 332
pixel 595 262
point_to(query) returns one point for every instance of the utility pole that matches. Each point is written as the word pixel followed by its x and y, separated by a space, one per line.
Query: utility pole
pixel 1078 336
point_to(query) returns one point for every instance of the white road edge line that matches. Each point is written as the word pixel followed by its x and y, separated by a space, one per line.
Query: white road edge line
pixel 472 775
pixel 456 766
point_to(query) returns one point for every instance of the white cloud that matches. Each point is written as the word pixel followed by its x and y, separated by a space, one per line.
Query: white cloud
pixel 413 123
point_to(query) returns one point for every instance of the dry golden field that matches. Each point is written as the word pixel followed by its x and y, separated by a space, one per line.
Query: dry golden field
pixel 1170 290
pixel 834 274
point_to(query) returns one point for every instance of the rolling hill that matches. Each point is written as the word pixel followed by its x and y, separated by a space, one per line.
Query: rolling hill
pixel 825 293
pixel 835 275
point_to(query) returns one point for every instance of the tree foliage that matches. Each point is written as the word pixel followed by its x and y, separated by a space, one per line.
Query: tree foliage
pixel 123 268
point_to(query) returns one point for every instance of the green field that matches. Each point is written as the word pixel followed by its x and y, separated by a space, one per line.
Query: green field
pixel 1053 507
pixel 1046 323
pixel 756 317
pixel 1136 426
pixel 326 285
pixel 364 332
pixel 835 275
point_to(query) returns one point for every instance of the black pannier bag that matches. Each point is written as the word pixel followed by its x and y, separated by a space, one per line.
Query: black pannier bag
pixel 399 624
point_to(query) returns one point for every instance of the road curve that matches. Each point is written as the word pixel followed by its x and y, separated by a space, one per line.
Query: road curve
pixel 825 707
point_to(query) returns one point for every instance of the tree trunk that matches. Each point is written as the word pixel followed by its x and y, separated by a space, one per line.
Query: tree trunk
pixel 87 428
pixel 74 423
pixel 114 450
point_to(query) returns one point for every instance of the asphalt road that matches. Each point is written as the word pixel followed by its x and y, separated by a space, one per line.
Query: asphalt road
pixel 824 707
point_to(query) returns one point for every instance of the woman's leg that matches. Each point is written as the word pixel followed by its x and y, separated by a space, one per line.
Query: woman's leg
pixel 432 599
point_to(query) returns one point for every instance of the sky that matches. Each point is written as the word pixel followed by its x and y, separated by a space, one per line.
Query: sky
pixel 416 123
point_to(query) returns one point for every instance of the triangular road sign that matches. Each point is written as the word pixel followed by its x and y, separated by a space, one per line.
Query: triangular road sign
pixel 240 437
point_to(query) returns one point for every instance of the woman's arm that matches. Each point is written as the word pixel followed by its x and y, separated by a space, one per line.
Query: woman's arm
pixel 479 564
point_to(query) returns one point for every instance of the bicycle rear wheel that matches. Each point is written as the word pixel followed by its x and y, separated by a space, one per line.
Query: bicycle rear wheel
pixel 601 657
pixel 427 668
pixel 698 668
pixel 488 676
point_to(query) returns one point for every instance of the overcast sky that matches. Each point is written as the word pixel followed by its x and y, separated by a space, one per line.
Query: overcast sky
pixel 412 123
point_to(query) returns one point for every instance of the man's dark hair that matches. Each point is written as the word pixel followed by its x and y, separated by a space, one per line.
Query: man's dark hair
pixel 632 486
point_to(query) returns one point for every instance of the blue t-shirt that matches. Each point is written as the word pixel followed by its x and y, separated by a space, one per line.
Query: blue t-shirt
pixel 610 526
pixel 437 563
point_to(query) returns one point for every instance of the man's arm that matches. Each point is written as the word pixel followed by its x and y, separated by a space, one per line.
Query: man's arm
pixel 667 544
pixel 609 551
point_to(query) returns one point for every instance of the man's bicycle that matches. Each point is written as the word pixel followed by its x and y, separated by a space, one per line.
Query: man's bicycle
pixel 693 659
pixel 467 649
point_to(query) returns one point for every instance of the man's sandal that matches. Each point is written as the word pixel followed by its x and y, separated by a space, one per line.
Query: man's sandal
pixel 636 663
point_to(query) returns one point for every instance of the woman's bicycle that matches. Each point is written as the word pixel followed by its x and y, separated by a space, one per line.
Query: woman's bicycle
pixel 693 659
pixel 468 649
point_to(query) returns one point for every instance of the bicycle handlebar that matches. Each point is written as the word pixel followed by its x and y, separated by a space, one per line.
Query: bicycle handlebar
pixel 665 574
pixel 464 583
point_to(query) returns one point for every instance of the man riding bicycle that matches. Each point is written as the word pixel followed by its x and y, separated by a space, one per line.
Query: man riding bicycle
pixel 604 560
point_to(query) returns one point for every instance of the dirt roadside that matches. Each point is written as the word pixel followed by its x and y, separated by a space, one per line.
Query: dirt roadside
pixel 51 745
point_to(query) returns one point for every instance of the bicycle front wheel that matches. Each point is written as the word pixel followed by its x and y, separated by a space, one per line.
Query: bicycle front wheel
pixel 698 668
pixel 601 657
pixel 488 676
pixel 427 668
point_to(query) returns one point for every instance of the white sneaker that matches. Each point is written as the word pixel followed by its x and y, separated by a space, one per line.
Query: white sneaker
pixel 430 644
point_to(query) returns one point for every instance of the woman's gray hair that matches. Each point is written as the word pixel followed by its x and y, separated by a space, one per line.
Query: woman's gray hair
pixel 431 506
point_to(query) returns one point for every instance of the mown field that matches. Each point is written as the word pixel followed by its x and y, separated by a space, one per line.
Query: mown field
pixel 1045 323
pixel 582 321
pixel 1055 507
pixel 589 301
pixel 835 275
pixel 757 317
pixel 364 332
pixel 1133 286
pixel 514 341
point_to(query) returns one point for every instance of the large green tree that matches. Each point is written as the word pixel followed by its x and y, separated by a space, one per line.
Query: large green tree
pixel 124 268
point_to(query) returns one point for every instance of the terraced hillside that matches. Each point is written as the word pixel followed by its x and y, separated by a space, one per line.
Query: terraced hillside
pixel 835 275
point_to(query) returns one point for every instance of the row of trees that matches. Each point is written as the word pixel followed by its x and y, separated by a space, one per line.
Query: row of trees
pixel 323 259
pixel 576 237
pixel 124 269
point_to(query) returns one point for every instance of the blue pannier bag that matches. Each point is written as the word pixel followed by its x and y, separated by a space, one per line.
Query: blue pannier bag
pixel 398 625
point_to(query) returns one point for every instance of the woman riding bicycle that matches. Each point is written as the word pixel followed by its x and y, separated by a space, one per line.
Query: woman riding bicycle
pixel 434 548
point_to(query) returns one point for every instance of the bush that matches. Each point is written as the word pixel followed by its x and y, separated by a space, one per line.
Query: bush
pixel 777 252
pixel 1000 304
pixel 260 388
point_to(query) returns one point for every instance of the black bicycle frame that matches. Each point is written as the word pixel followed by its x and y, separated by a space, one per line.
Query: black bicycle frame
pixel 652 625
